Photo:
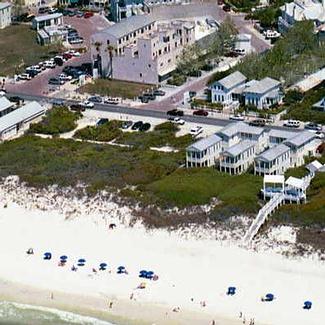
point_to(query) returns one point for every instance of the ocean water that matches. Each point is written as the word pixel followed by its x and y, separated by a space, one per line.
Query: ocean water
pixel 12 313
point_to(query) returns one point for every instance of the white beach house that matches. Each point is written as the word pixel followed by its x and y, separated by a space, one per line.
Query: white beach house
pixel 204 153
pixel 19 120
pixel 278 136
pixel 304 144
pixel 263 93
pixel 5 14
pixel 222 90
pixel 274 161
pixel 239 131
pixel 40 22
pixel 237 158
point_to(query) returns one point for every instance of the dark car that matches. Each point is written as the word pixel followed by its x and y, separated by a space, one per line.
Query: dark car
pixel 77 108
pixel 16 99
pixel 159 92
pixel 137 125
pixel 102 121
pixel 58 61
pixel 95 99
pixel 55 81
pixel 175 112
pixel 57 102
pixel 144 99
pixel 260 122
pixel 88 14
pixel 126 124
pixel 71 13
pixel 145 127
pixel 201 112
pixel 150 96
pixel 226 8
pixel 313 126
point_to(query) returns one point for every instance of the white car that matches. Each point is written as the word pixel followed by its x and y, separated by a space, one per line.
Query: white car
pixel 87 104
pixel 50 64
pixel 24 76
pixel 2 93
pixel 74 53
pixel 64 77
pixel 292 123
pixel 319 135
pixel 111 100
pixel 178 120
pixel 237 117
pixel 195 131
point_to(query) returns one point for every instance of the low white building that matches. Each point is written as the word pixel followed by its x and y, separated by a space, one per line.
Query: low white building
pixel 222 90
pixel 204 153
pixel 6 106
pixel 243 43
pixel 304 144
pixel 300 10
pixel 19 120
pixel 40 22
pixel 52 34
pixel 274 161
pixel 5 14
pixel 237 158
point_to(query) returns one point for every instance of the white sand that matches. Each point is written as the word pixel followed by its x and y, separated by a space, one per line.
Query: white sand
pixel 187 268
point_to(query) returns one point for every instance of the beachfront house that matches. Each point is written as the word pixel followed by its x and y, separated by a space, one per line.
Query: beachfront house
pixel 19 120
pixel 6 106
pixel 235 132
pixel 5 14
pixel 237 158
pixel 263 93
pixel 274 161
pixel 304 144
pixel 278 136
pixel 222 90
pixel 204 153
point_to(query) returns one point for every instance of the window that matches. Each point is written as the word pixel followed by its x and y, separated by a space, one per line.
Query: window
pixel 108 42
pixel 140 75
pixel 149 65
pixel 119 41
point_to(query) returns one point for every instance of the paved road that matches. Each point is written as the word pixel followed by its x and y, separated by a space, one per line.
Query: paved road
pixel 143 112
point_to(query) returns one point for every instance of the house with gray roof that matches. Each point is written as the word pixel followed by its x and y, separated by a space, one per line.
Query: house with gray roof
pixel 274 161
pixel 277 136
pixel 19 120
pixel 204 153
pixel 6 106
pixel 263 93
pixel 222 90
pixel 302 145
pixel 237 158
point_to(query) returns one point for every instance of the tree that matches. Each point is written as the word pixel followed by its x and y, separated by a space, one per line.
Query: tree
pixel 189 59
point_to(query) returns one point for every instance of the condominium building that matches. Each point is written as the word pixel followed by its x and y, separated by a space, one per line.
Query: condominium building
pixel 274 161
pixel 5 14
pixel 204 153
pixel 140 49
pixel 237 158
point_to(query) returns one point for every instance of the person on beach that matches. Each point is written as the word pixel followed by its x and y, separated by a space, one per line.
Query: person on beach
pixel 213 323
pixel 131 296
pixel 110 305
pixel 52 297
pixel 30 251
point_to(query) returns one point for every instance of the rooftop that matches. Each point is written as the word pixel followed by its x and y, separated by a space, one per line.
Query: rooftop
pixel 239 148
pixel 301 138
pixel 273 153
pixel 283 134
pixel 4 5
pixel 19 115
pixel 240 127
pixel 5 103
pixel 205 143
pixel 129 25
pixel 262 86
pixel 48 17
pixel 232 80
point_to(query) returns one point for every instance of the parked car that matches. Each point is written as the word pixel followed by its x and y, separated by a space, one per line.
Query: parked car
pixel 95 99
pixel 77 108
pixel 175 112
pixel 57 102
pixel 76 40
pixel 16 99
pixel 258 122
pixel 192 93
pixel 65 77
pixel 102 121
pixel 88 14
pixel 320 135
pixel 145 127
pixel 126 124
pixel 80 14
pixel 292 123
pixel 196 130
pixel 159 92
pixel 87 104
pixel 67 56
pixel 237 117
pixel 58 60
pixel 313 126
pixel 201 112
pixel 55 81
pixel 137 125
pixel 50 64
pixel 150 96
pixel 24 76
pixel 240 51
pixel 178 120
pixel 144 99
pixel 111 100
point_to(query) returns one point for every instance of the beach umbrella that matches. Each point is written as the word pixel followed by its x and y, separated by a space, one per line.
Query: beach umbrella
pixel 47 256
pixel 81 260
pixel 121 269
pixel 231 291
pixel 307 304
pixel 143 274
pixel 269 297
pixel 63 257
pixel 149 274
pixel 102 266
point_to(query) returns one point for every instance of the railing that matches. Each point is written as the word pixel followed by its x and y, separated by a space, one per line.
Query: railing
pixel 262 215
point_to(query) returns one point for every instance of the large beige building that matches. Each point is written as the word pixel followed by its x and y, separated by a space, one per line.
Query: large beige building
pixel 140 49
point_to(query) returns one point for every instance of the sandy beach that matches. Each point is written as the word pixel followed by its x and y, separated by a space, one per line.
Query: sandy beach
pixel 194 274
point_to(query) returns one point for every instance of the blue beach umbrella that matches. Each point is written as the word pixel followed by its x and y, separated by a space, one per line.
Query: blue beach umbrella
pixel 143 274
pixel 150 275
pixel 121 269
pixel 81 262
pixel 63 257
pixel 47 256
pixel 231 291
pixel 307 304
pixel 269 297
pixel 102 266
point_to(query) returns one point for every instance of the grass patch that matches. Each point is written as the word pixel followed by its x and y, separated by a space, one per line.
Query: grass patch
pixel 106 132
pixel 19 49
pixel 115 88
pixel 197 186
pixel 57 120
pixel 162 135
